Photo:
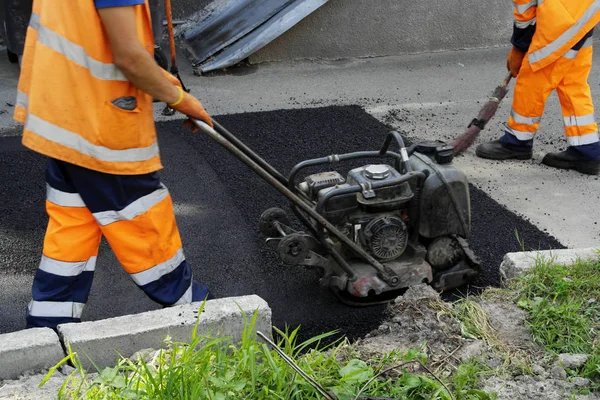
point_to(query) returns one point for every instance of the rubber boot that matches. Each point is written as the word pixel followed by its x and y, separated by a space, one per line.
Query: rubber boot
pixel 569 159
pixel 496 150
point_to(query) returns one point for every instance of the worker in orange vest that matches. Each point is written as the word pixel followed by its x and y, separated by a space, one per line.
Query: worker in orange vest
pixel 85 94
pixel 552 50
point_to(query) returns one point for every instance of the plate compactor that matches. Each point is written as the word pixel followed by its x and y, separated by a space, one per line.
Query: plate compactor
pixel 399 220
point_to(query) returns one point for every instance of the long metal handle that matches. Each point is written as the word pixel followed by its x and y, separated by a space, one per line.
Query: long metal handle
pixel 392 280
pixel 507 79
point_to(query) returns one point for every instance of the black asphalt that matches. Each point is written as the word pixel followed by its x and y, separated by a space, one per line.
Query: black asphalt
pixel 218 202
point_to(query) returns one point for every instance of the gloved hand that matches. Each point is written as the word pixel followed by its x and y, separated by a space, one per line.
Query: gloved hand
pixel 172 78
pixel 190 106
pixel 514 61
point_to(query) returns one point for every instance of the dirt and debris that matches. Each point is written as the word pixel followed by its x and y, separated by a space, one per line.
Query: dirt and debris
pixel 421 320
pixel 27 386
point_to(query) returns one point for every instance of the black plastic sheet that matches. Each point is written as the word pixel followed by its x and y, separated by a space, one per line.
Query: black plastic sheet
pixel 238 28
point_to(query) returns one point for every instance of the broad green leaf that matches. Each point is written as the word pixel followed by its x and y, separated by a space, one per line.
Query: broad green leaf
pixel 356 371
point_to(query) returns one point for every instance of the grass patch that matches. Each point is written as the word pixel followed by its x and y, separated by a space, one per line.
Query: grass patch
pixel 564 309
pixel 214 368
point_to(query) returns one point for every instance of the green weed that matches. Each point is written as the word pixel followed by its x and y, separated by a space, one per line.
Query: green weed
pixel 215 369
pixel 564 307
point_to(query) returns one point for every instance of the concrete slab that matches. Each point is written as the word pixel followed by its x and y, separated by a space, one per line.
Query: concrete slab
pixel 30 350
pixel 366 28
pixel 514 264
pixel 103 341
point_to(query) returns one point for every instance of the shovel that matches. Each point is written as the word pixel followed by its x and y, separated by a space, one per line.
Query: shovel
pixel 486 113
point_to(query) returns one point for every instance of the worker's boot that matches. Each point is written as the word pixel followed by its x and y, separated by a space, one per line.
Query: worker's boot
pixel 496 150
pixel 570 159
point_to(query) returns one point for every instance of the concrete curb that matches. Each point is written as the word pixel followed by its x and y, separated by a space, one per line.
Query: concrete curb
pixel 35 350
pixel 514 264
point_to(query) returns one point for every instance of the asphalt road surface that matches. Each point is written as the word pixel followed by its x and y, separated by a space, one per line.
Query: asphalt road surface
pixel 218 201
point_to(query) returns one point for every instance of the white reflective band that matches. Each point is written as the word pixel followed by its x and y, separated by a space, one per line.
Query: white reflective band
pixel 520 135
pixel 525 24
pixel 138 207
pixel 186 298
pixel 571 54
pixel 63 199
pixel 22 99
pixel 64 268
pixel 159 270
pixel 521 8
pixel 580 121
pixel 63 309
pixel 75 52
pixel 519 119
pixel 583 140
pixel 73 141
pixel 566 36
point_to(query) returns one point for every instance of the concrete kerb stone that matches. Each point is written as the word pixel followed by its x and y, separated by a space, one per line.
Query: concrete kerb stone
pixel 101 343
pixel 514 264
pixel 30 350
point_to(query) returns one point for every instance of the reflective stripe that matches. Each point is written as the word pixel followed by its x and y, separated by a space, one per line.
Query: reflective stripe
pixel 140 206
pixel 186 298
pixel 63 199
pixel 55 309
pixel 580 121
pixel 75 52
pixel 519 119
pixel 73 141
pixel 525 24
pixel 22 99
pixel 521 8
pixel 63 268
pixel 566 36
pixel 571 54
pixel 520 135
pixel 583 140
pixel 159 270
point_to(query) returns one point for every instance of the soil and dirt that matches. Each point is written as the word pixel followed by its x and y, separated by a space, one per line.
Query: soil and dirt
pixel 419 319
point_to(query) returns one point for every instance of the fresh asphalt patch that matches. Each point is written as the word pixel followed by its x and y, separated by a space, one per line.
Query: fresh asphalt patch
pixel 218 201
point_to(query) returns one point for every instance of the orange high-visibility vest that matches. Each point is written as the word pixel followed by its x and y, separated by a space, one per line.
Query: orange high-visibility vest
pixel 559 25
pixel 76 105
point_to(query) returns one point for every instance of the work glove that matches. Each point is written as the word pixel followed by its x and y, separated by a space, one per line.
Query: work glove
pixel 190 106
pixel 514 61
pixel 172 78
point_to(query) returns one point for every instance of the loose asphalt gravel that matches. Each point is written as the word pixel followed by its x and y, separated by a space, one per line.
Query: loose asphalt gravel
pixel 218 201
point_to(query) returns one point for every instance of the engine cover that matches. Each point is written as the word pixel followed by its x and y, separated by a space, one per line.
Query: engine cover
pixel 386 237
pixel 386 198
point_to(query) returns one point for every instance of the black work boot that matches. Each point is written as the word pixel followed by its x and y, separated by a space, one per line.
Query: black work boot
pixel 495 150
pixel 571 160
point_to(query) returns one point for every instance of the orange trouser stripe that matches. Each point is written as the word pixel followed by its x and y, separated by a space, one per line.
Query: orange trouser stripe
pixel 72 234
pixel 147 240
